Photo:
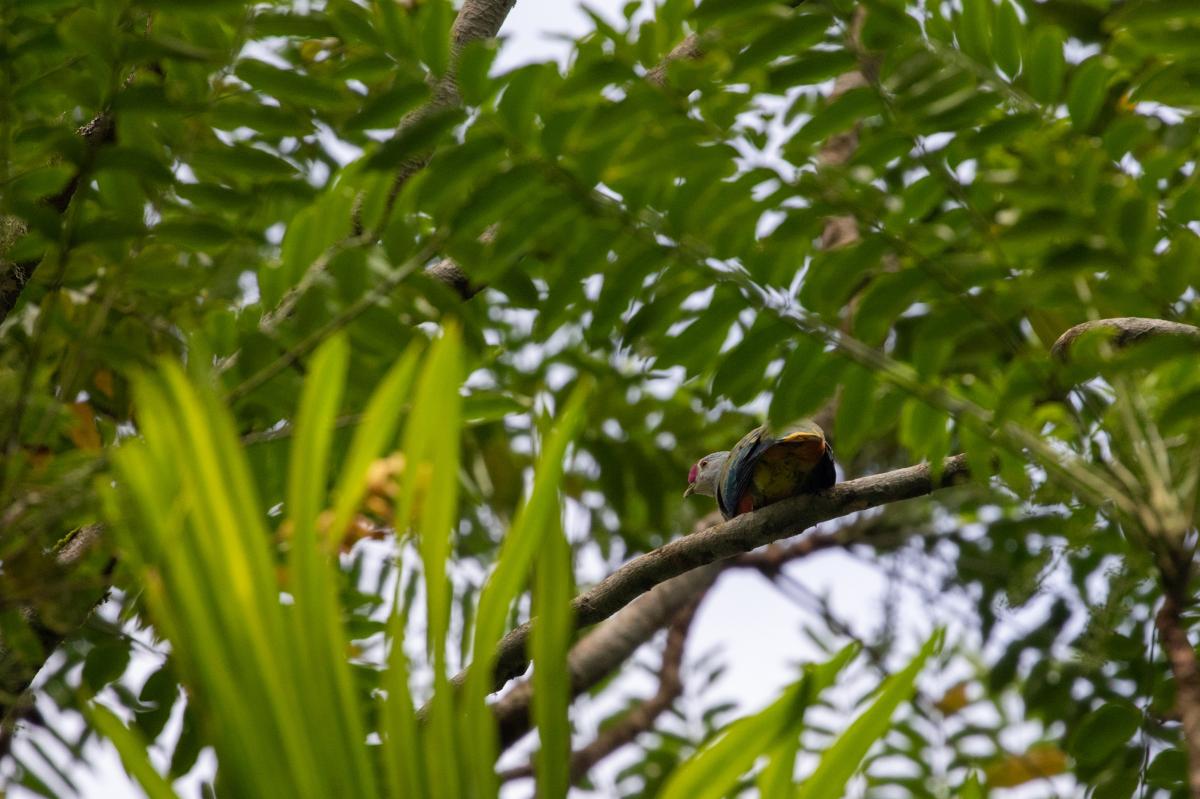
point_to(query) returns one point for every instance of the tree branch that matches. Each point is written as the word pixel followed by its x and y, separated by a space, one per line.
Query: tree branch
pixel 1181 656
pixel 603 650
pixel 734 537
pixel 1126 330
pixel 477 20
pixel 642 717
pixel 691 48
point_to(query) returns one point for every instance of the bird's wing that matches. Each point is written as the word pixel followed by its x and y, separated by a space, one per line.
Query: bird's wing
pixel 739 469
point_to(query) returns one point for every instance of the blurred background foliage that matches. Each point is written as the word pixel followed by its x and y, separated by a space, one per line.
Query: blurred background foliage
pixel 212 189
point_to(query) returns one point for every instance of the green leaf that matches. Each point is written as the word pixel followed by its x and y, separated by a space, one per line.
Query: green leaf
pixel 1007 38
pixel 714 771
pixel 841 760
pixel 487 406
pixel 518 552
pixel 137 161
pixel 740 375
pixel 375 433
pixel 1168 769
pixel 810 68
pixel 1085 95
pixel 337 724
pixel 809 378
pixel 416 139
pixel 215 596
pixel 429 498
pixel 104 663
pixel 791 36
pixel 193 233
pixel 240 162
pixel 711 12
pixel 550 641
pixel 310 233
pixel 385 110
pixel 306 26
pixel 923 430
pixel 474 68
pixel 288 85
pixel 133 751
pixel 833 275
pixel 972 788
pixel 855 413
pixel 353 23
pixel 523 93
pixel 160 691
pixel 433 20
pixel 974 30
pixel 309 462
pixel 1045 65
pixel 404 771
pixel 840 115
pixel 39 183
pixel 1104 731
pixel 777 779
pixel 888 296
pixel 233 113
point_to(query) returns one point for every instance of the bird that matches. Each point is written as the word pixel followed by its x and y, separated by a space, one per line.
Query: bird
pixel 764 468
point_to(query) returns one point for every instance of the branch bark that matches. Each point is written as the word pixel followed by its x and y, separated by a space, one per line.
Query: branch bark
pixel 690 48
pixel 1126 330
pixel 642 717
pixel 734 537
pixel 477 20
pixel 1181 656
pixel 1174 565
pixel 603 650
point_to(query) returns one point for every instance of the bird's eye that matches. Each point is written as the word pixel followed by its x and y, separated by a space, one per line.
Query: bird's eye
pixel 703 463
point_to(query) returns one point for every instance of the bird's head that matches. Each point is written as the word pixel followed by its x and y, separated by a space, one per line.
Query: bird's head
pixel 702 479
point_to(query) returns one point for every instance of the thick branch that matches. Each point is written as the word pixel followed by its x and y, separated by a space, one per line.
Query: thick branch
pixel 603 650
pixel 642 717
pixel 734 537
pixel 1126 330
pixel 690 48
pixel 1182 657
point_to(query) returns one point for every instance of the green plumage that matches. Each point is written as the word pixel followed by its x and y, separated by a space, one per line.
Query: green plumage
pixel 764 468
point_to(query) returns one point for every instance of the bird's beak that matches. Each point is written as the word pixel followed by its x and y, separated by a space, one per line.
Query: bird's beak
pixel 691 489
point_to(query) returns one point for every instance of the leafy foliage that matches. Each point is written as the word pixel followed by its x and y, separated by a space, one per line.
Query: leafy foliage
pixel 217 315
